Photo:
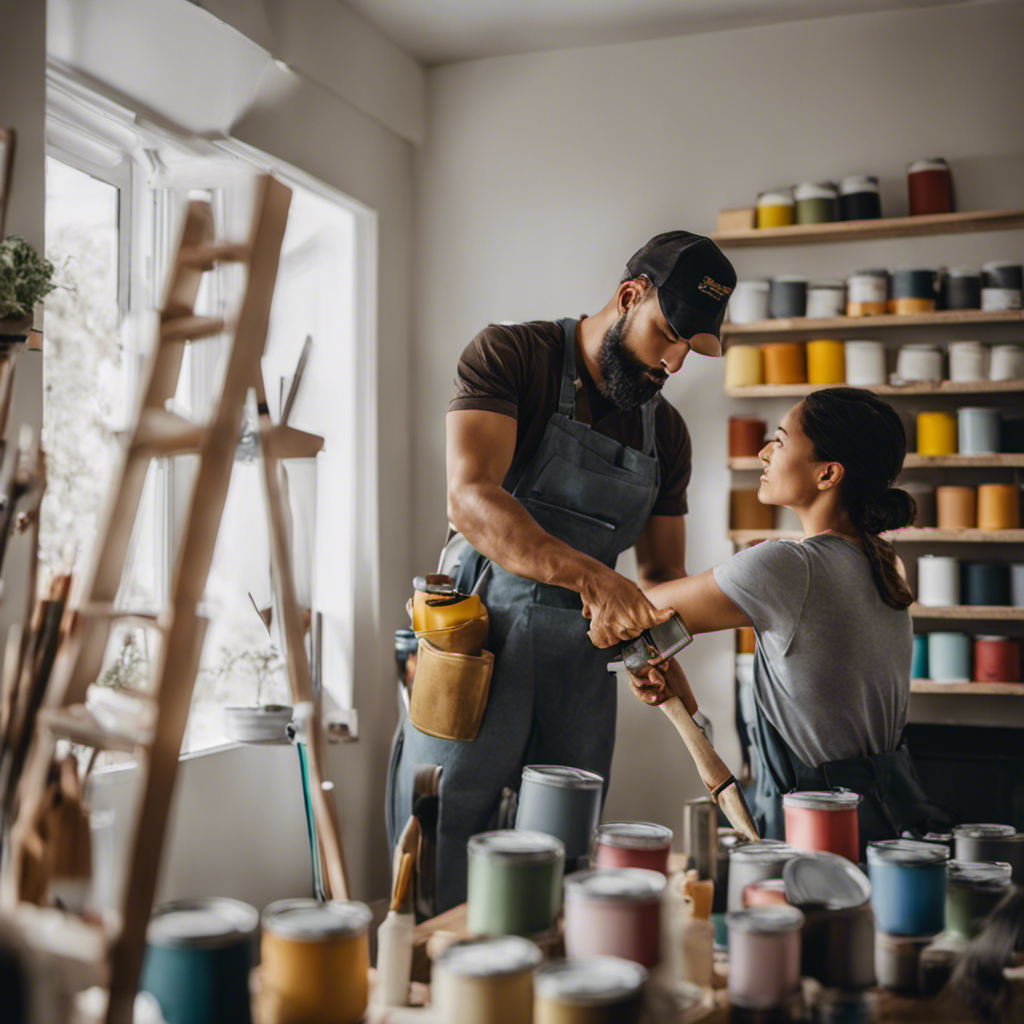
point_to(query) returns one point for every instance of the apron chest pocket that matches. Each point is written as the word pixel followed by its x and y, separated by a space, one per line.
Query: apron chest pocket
pixel 449 693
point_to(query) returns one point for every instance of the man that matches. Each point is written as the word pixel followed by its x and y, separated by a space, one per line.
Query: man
pixel 562 454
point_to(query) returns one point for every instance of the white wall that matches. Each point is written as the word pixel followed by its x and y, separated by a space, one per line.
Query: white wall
pixel 542 173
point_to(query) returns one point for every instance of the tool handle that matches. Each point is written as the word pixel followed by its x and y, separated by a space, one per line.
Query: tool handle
pixel 679 685
pixel 713 770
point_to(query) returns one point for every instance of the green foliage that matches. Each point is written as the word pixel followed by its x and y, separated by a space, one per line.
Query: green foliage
pixel 25 277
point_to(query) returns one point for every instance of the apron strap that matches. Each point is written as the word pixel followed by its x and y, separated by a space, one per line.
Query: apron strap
pixel 567 393
pixel 649 444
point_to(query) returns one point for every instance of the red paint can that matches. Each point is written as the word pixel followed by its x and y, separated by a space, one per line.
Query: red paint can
pixel 746 436
pixel 929 187
pixel 769 892
pixel 824 820
pixel 632 844
pixel 996 660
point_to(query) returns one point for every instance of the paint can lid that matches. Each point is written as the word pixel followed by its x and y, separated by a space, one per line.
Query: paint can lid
pixel 633 835
pixel 492 957
pixel 823 800
pixel 932 163
pixel 906 851
pixel 870 272
pixel 207 922
pixel 597 980
pixel 994 639
pixel 858 183
pixel 764 851
pixel 864 343
pixel 730 839
pixel 814 190
pixel 993 874
pixel 984 831
pixel 562 775
pixel 774 199
pixel 988 268
pixel 963 272
pixel 765 920
pixel 789 279
pixel 519 846
pixel 629 884
pixel 755 284
pixel 825 880
pixel 312 921
pixel 839 286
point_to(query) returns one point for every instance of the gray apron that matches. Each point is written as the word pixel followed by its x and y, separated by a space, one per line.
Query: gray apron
pixel 552 699
pixel 893 800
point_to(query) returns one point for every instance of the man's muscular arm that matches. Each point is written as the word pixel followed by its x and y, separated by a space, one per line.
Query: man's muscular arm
pixel 480 446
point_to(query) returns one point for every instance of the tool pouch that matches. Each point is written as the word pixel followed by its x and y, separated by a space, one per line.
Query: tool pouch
pixel 449 694
pixel 465 638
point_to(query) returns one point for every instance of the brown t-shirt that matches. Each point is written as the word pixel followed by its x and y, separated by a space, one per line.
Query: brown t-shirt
pixel 516 370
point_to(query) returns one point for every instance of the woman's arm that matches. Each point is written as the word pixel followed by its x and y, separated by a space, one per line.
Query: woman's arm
pixel 700 603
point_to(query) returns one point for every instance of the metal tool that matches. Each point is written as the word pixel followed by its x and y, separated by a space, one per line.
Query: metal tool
pixel 660 642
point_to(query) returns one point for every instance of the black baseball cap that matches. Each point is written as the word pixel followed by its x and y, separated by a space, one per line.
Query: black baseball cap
pixel 694 281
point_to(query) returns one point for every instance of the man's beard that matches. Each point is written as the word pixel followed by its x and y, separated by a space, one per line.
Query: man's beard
pixel 626 380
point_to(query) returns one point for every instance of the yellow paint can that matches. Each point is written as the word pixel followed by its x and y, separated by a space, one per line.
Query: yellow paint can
pixel 936 433
pixel 826 362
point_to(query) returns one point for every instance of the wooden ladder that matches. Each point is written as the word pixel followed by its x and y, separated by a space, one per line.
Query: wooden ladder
pixel 158 433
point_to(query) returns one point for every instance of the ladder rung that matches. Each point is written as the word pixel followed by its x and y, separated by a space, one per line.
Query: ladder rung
pixel 166 433
pixel 133 616
pixel 206 256
pixel 78 724
pixel 190 328
pixel 286 442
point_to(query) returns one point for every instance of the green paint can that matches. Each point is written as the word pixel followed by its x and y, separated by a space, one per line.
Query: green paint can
pixel 515 882
pixel 198 956
pixel 975 888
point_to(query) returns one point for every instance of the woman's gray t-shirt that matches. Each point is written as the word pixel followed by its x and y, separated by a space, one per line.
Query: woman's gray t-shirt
pixel 832 667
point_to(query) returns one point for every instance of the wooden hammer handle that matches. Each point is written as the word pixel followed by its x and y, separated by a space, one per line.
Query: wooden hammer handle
pixel 713 770
pixel 679 685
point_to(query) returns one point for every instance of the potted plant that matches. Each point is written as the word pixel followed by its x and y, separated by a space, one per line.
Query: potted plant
pixel 26 278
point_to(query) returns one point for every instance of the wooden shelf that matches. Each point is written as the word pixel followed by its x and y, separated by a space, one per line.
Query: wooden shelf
pixel 826 327
pixel 944 387
pixel 988 613
pixel 1004 460
pixel 883 227
pixel 969 689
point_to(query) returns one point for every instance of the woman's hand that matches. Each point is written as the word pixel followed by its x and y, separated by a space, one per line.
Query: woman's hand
pixel 650 687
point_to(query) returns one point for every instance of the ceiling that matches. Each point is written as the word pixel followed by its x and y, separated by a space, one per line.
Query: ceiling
pixel 441 31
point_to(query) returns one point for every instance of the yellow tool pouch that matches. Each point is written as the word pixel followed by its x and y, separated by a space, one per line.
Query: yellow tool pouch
pixel 449 694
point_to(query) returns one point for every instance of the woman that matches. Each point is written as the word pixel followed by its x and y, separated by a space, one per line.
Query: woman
pixel 830 613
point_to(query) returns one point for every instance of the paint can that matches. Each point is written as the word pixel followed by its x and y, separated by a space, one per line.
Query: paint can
pixel 486 981
pixel 753 862
pixel 867 292
pixel 825 821
pixel 597 990
pixel 897 959
pixel 998 507
pixel 924 497
pixel 962 288
pixel 919 660
pixel 764 956
pixel 949 657
pixel 515 882
pixel 749 302
pixel 769 892
pixel 198 956
pixel 913 291
pixel 974 890
pixel 984 583
pixel 929 187
pixel 816 203
pixel 787 297
pixel 826 362
pixel 865 363
pixel 1001 285
pixel 919 363
pixel 977 430
pixel 826 299
pixel 859 198
pixel 957 507
pixel 1007 362
pixel 700 836
pixel 936 433
pixel 744 366
pixel 632 844
pixel 614 912
pixel 746 436
pixel 996 660
pixel 938 581
pixel 775 209
pixel 935 967
pixel 562 801
pixel 968 361
pixel 785 362
pixel 908 886
pixel 315 962
pixel 991 843
pixel 747 513
pixel 1017 584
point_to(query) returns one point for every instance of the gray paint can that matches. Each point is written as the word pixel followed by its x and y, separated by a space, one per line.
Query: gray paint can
pixel 563 802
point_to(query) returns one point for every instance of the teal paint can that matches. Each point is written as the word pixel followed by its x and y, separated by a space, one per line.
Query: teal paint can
pixel 198 956
pixel 919 663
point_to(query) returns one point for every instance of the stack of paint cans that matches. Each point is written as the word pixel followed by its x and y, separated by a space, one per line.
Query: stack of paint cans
pixel 998 843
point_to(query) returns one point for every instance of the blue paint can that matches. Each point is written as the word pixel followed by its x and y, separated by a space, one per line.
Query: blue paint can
pixel 198 956
pixel 919 663
pixel 908 883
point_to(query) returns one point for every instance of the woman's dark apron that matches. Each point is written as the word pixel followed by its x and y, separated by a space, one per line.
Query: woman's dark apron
pixel 893 800
pixel 552 699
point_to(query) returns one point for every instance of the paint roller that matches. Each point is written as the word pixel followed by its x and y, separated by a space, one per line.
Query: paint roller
pixel 661 643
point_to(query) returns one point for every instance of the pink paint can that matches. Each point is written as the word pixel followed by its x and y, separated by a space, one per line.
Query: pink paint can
pixel 764 956
pixel 632 844
pixel 614 912
pixel 769 892
pixel 823 821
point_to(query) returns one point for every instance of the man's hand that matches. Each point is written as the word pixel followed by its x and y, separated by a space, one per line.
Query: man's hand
pixel 617 609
